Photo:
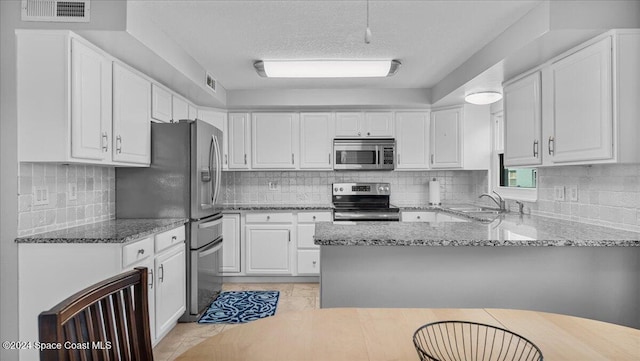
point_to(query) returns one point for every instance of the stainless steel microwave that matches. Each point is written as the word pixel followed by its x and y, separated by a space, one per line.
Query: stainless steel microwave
pixel 364 154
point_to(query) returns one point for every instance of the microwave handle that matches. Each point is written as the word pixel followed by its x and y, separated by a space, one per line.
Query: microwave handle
pixel 377 161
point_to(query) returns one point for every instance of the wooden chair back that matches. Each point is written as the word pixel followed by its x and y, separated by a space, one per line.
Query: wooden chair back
pixel 108 321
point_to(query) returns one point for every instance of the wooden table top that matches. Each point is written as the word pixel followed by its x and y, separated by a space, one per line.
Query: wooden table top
pixel 386 334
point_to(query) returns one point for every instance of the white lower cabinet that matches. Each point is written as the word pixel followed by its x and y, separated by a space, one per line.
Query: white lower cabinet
pixel 268 249
pixel 308 254
pixel 170 288
pixel 230 243
pixel 308 262
pixel 51 272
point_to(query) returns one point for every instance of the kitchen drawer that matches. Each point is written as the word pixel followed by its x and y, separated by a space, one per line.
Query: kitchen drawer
pixel 421 216
pixel 309 262
pixel 309 217
pixel 137 251
pixel 167 239
pixel 269 218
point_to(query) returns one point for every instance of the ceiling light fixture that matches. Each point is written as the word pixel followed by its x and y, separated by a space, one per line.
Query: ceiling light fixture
pixel 326 68
pixel 483 98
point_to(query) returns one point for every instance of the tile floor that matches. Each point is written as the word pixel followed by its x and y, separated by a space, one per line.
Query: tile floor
pixel 293 297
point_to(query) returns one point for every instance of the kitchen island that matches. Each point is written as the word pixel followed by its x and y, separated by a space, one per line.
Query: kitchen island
pixel 523 262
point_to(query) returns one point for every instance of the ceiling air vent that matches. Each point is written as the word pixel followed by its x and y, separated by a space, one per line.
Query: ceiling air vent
pixel 56 10
pixel 211 82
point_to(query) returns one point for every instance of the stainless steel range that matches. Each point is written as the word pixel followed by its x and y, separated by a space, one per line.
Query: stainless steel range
pixel 363 202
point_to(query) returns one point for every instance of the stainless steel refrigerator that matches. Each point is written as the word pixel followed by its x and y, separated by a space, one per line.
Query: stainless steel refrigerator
pixel 183 181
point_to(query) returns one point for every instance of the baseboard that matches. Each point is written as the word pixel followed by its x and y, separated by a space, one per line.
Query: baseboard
pixel 270 279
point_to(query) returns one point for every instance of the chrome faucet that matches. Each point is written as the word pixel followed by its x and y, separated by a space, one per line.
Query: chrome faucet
pixel 497 199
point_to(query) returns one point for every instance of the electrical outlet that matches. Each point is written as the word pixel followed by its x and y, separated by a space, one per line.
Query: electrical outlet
pixel 274 186
pixel 558 193
pixel 40 196
pixel 572 193
pixel 72 193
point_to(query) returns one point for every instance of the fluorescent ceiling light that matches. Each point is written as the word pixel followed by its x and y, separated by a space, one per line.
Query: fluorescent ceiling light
pixel 483 98
pixel 326 68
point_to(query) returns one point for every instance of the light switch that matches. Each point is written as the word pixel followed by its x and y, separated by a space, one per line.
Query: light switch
pixel 274 186
pixel 40 196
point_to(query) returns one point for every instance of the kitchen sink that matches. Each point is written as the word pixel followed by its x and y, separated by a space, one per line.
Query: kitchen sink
pixel 475 209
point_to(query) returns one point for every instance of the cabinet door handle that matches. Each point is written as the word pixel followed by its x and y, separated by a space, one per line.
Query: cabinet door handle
pixel 329 158
pixel 245 158
pixel 552 145
pixel 398 158
pixel 358 133
pixel 151 279
pixel 368 133
pixel 161 277
pixel 292 159
pixel 314 263
pixel 118 144
pixel 289 235
pixel 105 142
pixel 226 159
pixel 535 148
pixel 431 158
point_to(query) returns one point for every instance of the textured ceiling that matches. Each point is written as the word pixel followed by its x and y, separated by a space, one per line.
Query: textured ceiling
pixel 431 38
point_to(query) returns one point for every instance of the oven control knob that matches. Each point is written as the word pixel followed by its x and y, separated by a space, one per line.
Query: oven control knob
pixel 341 189
pixel 335 189
pixel 381 189
pixel 386 189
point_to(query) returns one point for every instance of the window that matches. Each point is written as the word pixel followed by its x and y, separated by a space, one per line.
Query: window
pixel 517 177
pixel 511 183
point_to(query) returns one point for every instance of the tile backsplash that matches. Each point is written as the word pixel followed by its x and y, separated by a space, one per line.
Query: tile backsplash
pixel 92 200
pixel 608 195
pixel 407 188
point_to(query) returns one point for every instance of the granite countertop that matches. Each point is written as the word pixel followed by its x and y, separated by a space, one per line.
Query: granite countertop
pixel 274 207
pixel 509 229
pixel 112 231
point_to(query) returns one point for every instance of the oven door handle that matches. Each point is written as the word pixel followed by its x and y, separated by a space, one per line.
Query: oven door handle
pixel 210 224
pixel 212 248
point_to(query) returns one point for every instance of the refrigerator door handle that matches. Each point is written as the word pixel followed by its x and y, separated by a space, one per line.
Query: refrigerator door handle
pixel 212 151
pixel 215 188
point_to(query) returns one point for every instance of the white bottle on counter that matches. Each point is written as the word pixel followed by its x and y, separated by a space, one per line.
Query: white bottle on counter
pixel 434 192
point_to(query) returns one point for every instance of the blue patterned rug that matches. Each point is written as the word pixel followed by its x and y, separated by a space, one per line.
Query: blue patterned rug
pixel 241 307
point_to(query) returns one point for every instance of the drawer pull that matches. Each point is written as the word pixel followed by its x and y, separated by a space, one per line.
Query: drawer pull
pixel 314 218
pixel 141 251
pixel 174 238
pixel 418 217
pixel 268 218
pixel 314 263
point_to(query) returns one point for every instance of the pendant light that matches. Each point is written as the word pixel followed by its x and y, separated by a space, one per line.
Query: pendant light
pixel 367 32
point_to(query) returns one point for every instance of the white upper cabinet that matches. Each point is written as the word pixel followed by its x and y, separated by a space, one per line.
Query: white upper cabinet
pixel 412 140
pixel 180 109
pixel 367 124
pixel 348 124
pixel 193 112
pixel 239 144
pixel 316 140
pixel 161 104
pixel 378 124
pixel 588 104
pixel 523 122
pixel 274 140
pixel 90 103
pixel 446 138
pixel 580 125
pixel 218 119
pixel 70 116
pixel 131 116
